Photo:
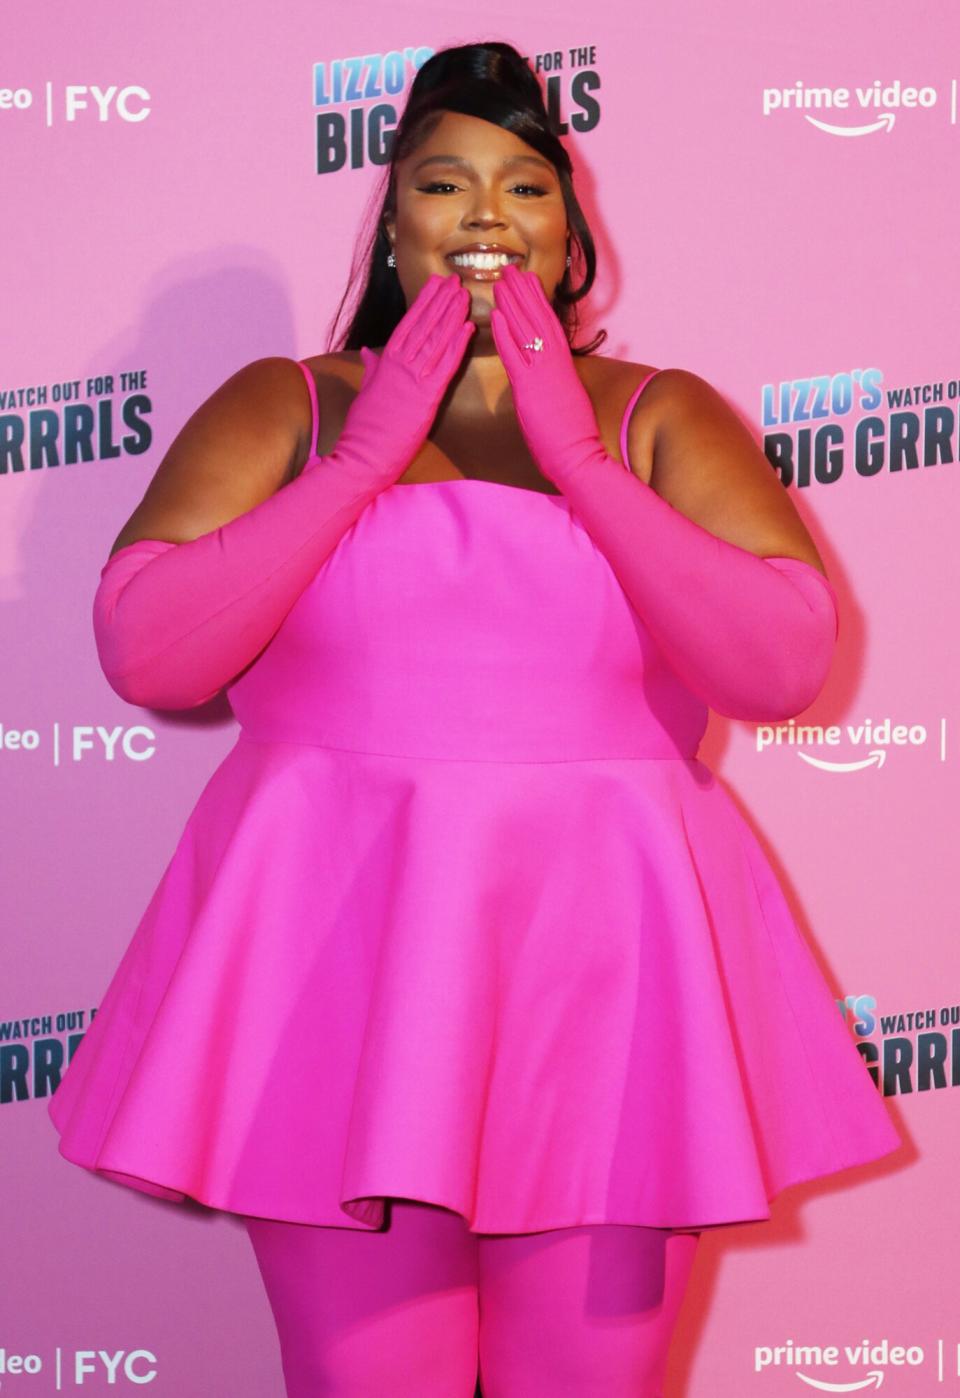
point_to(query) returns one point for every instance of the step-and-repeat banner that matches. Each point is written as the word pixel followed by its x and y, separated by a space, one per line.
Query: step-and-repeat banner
pixel 773 195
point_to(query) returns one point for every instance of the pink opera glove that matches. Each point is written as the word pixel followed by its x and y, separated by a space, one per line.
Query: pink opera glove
pixel 752 637
pixel 175 622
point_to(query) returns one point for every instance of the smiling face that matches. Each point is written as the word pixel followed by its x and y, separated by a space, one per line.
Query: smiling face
pixel 470 182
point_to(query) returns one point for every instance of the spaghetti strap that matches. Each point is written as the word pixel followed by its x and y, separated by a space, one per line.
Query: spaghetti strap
pixel 625 421
pixel 314 410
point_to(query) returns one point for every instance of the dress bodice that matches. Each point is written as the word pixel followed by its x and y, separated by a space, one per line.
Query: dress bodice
pixel 468 619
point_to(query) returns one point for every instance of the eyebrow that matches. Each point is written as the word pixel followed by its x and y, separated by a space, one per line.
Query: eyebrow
pixel 465 164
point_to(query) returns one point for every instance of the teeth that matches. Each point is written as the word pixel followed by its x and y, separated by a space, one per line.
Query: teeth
pixel 485 261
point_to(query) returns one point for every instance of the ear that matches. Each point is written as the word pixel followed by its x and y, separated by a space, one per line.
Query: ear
pixel 390 228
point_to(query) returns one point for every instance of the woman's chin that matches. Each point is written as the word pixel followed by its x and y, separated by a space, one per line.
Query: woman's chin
pixel 481 301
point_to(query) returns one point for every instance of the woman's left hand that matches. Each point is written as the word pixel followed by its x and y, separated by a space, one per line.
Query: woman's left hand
pixel 553 408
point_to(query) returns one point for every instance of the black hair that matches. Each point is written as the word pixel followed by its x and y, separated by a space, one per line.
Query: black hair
pixel 491 81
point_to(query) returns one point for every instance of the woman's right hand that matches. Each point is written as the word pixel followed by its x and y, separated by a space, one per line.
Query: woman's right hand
pixel 389 419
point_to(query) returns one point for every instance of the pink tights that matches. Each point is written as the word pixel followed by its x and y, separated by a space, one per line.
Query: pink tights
pixel 410 1310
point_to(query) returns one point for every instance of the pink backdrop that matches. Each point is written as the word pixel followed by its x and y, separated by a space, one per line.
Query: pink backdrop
pixel 165 222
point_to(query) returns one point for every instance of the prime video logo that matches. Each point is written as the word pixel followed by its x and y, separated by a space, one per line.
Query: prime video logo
pixel 875 1358
pixel 882 104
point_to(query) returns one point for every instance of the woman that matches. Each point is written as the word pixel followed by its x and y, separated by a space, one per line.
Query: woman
pixel 467 986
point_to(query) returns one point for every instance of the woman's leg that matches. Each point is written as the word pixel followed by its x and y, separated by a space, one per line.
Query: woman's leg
pixel 580 1311
pixel 362 1314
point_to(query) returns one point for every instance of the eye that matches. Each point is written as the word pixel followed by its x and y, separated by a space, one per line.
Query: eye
pixel 444 184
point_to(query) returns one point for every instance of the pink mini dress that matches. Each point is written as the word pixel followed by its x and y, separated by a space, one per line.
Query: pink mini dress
pixel 461 917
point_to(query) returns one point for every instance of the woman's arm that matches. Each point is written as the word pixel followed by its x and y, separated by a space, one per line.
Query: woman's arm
pixel 230 547
pixel 752 635
pixel 713 555
pixel 230 543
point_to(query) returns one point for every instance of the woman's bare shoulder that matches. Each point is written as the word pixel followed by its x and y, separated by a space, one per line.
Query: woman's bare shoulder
pixel 336 364
pixel 617 375
pixel 350 356
pixel 611 384
pixel 671 389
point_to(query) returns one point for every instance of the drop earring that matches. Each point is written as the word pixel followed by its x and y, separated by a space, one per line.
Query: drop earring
pixel 391 260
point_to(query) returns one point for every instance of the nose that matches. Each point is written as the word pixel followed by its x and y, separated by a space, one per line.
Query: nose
pixel 484 210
